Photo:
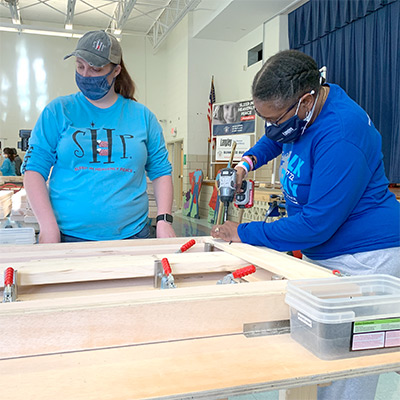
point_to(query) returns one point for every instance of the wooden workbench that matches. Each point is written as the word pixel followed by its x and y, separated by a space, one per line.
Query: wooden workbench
pixel 208 368
pixel 90 324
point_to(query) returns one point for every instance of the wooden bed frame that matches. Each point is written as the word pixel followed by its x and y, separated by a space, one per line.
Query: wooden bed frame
pixel 89 316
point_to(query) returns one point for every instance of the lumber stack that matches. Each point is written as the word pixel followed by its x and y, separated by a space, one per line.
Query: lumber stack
pixel 5 203
pixel 21 209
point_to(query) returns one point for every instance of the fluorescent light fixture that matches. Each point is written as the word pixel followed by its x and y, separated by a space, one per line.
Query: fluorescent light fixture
pixel 117 31
pixel 7 29
pixel 46 33
pixel 16 21
pixel 33 30
pixel 68 27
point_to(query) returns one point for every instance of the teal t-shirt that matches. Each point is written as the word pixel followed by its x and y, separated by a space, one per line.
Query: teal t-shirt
pixel 8 167
pixel 100 158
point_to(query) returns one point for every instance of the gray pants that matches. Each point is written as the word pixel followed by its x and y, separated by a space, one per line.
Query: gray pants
pixel 386 261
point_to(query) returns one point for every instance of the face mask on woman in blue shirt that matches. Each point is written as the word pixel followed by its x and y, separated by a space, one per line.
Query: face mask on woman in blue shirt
pixel 291 130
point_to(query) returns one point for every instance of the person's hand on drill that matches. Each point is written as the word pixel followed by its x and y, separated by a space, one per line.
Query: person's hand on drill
pixel 228 231
pixel 241 174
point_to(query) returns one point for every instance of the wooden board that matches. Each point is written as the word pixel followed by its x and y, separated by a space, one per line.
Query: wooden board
pixel 95 328
pixel 96 321
pixel 77 318
pixel 84 256
pixel 206 369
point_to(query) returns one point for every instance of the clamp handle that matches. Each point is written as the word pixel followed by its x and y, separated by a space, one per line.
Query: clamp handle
pixel 9 276
pixel 166 266
pixel 239 273
pixel 187 245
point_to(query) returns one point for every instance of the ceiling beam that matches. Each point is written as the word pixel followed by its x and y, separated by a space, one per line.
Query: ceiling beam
pixel 169 18
pixel 70 14
pixel 15 15
pixel 121 15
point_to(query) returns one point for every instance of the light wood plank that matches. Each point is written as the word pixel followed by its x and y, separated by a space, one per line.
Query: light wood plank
pixel 277 262
pixel 10 253
pixel 80 269
pixel 93 321
pixel 205 369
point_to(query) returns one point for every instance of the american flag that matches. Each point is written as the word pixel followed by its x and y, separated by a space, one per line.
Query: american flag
pixel 211 101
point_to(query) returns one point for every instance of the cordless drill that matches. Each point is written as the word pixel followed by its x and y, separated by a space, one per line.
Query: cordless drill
pixel 227 190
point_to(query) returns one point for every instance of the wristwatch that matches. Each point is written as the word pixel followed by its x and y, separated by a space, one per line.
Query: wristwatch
pixel 165 217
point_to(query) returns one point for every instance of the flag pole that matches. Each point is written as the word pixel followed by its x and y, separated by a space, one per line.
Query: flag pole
pixel 211 101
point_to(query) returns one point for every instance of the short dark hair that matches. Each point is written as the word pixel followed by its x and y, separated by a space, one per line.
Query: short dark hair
pixel 9 152
pixel 285 77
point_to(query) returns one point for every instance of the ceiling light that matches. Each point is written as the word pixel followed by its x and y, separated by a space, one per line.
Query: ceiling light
pixel 16 21
pixel 117 31
pixel 68 26
pixel 8 29
pixel 46 33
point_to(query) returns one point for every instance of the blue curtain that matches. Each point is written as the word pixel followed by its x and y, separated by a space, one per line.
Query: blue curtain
pixel 359 42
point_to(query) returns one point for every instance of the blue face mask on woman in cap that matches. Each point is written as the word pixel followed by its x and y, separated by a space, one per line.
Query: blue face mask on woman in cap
pixel 94 87
pixel 291 130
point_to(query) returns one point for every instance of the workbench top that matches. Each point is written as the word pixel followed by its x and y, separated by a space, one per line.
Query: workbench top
pixel 207 368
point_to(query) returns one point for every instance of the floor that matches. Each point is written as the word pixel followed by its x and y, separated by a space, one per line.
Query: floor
pixel 389 384
pixel 388 389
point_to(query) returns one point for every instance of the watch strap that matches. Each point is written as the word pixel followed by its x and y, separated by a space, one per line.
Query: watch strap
pixel 165 217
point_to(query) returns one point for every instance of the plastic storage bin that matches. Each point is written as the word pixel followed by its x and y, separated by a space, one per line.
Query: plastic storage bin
pixel 347 316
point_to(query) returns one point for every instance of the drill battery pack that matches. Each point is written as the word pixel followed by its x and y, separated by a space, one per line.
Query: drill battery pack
pixel 245 199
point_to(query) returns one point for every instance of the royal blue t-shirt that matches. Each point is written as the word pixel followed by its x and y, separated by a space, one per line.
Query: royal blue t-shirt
pixel 99 160
pixel 335 187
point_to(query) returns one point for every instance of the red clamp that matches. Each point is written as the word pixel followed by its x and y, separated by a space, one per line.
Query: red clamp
pixel 166 266
pixel 239 273
pixel 187 246
pixel 10 286
pixel 167 281
pixel 338 273
pixel 9 276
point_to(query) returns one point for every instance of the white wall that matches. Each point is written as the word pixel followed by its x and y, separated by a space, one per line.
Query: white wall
pixel 167 82
pixel 276 36
pixel 227 62
pixel 33 73
pixel 174 82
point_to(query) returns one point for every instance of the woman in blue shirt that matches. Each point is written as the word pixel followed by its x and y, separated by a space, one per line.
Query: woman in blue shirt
pixel 8 167
pixel 98 146
pixel 341 214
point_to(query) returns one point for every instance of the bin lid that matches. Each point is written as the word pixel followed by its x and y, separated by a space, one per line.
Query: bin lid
pixel 346 298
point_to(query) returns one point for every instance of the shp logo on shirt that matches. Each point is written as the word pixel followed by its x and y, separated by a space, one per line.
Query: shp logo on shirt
pixel 99 147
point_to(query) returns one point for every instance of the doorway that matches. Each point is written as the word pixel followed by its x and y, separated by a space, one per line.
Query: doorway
pixel 175 150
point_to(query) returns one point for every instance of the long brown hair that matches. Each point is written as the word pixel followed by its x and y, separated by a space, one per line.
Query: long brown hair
pixel 124 84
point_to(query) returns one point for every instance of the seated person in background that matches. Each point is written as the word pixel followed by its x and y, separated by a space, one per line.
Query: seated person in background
pixel 18 162
pixel 8 167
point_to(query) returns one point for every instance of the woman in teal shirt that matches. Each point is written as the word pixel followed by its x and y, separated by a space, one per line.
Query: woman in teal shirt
pixel 8 167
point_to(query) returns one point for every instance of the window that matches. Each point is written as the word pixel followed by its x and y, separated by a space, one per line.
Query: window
pixel 254 55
